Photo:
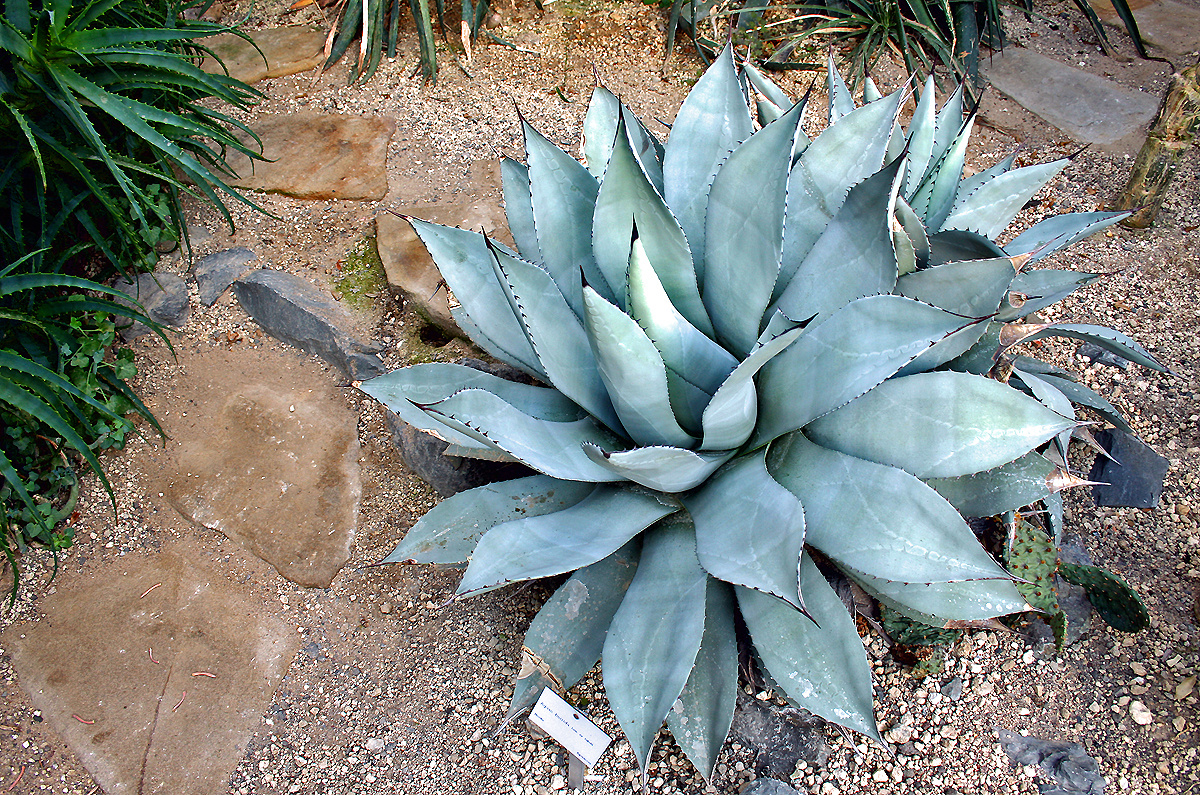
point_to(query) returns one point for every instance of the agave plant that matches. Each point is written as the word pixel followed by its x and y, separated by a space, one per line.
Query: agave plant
pixel 755 360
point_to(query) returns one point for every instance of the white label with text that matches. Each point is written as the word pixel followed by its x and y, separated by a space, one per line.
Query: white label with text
pixel 569 727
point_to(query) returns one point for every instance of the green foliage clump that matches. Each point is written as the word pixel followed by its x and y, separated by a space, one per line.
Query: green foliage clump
pixel 760 350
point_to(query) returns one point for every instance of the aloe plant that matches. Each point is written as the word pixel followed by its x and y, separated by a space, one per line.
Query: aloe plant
pixel 756 359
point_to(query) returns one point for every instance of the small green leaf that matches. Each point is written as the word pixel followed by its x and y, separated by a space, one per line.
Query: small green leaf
pixel 655 635
pixel 553 543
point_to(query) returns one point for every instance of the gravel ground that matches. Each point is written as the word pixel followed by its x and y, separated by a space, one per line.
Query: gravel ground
pixel 392 692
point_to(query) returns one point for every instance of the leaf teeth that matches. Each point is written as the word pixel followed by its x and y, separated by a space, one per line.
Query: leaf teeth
pixel 1061 480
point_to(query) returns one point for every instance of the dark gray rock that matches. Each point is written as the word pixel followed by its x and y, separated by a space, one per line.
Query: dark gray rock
pixel 767 786
pixel 780 736
pixel 426 456
pixel 1134 479
pixel 953 689
pixel 163 297
pixel 290 309
pixel 1068 764
pixel 1098 355
pixel 216 272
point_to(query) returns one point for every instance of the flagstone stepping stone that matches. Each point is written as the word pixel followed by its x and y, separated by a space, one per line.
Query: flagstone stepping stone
pixel 1086 107
pixel 274 467
pixel 293 310
pixel 317 156
pixel 1171 26
pixel 284 51
pixel 409 268
pixel 154 670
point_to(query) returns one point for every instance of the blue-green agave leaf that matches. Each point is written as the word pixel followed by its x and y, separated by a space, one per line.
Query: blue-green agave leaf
pixel 556 334
pixel 914 229
pixel 1103 337
pixel 973 288
pixel 856 348
pixel 701 718
pixel 634 373
pixel 467 265
pixel 553 543
pixel 1005 488
pixel 990 208
pixel 554 448
pixel 744 232
pixel 767 112
pixel 731 416
pixel 946 129
pixel 666 469
pixel 980 357
pixel 854 256
pixel 1059 231
pixel 655 635
pixel 405 389
pixel 946 350
pixel 449 532
pixel 600 129
pixel 627 201
pixel 839 158
pixel 1042 288
pixel 954 245
pixel 920 140
pixel 942 424
pixel 712 122
pixel 1080 394
pixel 818 663
pixel 646 148
pixel 976 181
pixel 877 519
pixel 968 600
pixel 767 87
pixel 940 188
pixel 871 91
pixel 841 101
pixel 1053 399
pixel 518 208
pixel 563 196
pixel 567 635
pixel 749 529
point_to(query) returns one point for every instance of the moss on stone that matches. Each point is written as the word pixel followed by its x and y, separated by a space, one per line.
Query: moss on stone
pixel 360 277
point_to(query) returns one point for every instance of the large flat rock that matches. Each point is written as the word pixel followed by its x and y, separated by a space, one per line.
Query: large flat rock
pixel 154 670
pixel 1086 107
pixel 276 52
pixel 318 156
pixel 1170 26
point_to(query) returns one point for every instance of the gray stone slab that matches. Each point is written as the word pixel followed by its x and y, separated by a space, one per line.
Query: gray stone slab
pixel 217 271
pixel 276 52
pixel 163 296
pixel 1086 107
pixel 1167 25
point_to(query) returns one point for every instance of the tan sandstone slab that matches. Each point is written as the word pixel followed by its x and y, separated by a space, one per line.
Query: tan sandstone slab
pixel 318 156
pixel 279 52
pixel 155 670
pixel 267 454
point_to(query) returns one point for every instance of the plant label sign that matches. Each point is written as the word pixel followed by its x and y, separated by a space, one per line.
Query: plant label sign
pixel 570 727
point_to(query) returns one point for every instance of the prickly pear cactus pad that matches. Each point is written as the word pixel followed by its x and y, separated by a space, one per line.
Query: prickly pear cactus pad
pixel 749 349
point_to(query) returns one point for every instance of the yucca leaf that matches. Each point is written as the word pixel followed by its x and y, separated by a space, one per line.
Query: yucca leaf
pixel 730 416
pixel 628 202
pixel 553 543
pixel 518 208
pixel 942 424
pixel 567 635
pixel 655 635
pixel 556 334
pixel 878 519
pixel 749 529
pixel 563 194
pixel 969 600
pixel 553 448
pixel 817 662
pixel 1102 337
pixel 1042 288
pixel 465 262
pixel 973 288
pixel 1059 231
pixel 856 348
pixel 990 208
pixel 839 158
pixel 713 120
pixel 744 232
pixel 854 256
pixel 701 718
pixel 449 532
pixel 633 371
pixel 995 491
pixel 666 469
pixel 600 129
